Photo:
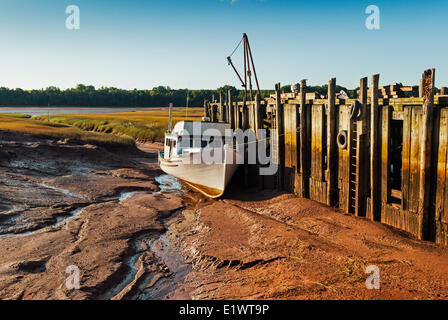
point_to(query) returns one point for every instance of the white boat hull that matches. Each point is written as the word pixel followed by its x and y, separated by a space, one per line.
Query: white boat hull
pixel 209 179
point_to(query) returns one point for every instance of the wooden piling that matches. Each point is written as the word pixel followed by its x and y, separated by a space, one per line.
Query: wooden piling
pixel 237 116
pixel 279 124
pixel 221 106
pixel 231 110
pixel 213 112
pixel 244 120
pixel 420 88
pixel 374 213
pixel 258 113
pixel 332 156
pixel 386 119
pixel 426 152
pixel 303 141
pixel 205 109
pixel 364 167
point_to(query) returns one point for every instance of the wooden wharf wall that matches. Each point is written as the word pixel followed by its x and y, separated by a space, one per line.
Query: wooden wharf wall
pixel 383 159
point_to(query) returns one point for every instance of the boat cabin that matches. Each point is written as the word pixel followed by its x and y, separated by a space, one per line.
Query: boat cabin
pixel 193 136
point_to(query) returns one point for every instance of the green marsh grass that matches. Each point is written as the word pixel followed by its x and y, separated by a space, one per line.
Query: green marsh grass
pixel 61 131
pixel 143 126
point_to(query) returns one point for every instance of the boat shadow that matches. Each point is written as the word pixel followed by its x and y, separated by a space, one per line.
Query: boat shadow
pixel 238 189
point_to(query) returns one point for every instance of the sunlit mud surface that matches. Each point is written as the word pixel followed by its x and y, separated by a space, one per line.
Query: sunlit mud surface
pixel 156 270
pixel 135 233
pixel 64 204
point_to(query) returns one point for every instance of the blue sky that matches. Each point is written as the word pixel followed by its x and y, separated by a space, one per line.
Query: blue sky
pixel 184 44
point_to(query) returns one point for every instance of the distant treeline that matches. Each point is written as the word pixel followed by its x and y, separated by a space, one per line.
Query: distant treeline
pixel 89 96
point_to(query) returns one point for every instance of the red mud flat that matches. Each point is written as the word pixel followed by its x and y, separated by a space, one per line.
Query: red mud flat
pixel 267 245
pixel 64 204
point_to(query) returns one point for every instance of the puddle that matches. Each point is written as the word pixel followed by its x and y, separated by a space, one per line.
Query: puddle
pixel 60 190
pixel 169 184
pixel 59 221
pixel 125 195
pixel 73 215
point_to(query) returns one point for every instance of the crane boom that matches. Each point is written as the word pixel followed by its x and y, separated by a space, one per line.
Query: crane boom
pixel 248 62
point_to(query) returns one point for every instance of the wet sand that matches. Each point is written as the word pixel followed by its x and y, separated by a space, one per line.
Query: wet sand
pixel 134 235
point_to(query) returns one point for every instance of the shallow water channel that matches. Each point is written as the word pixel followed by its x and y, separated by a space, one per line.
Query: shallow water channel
pixel 164 284
pixel 15 220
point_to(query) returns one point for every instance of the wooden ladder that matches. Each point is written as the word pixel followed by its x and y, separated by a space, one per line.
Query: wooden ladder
pixel 352 168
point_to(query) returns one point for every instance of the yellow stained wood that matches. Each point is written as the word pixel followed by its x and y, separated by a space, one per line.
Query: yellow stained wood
pixel 414 163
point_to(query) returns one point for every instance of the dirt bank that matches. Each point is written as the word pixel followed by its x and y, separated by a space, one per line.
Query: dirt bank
pixel 65 204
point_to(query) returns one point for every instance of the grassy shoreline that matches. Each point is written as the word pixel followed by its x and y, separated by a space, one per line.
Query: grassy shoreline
pixel 15 115
pixel 54 131
pixel 110 130
pixel 142 126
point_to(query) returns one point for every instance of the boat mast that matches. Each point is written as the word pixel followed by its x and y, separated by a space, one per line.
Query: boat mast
pixel 170 117
pixel 186 109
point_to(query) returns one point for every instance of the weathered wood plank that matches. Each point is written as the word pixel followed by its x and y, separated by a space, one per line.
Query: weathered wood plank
pixel 303 142
pixel 406 157
pixel 231 110
pixel 385 154
pixel 442 212
pixel 344 160
pixel 441 216
pixel 290 124
pixel 420 88
pixel 213 116
pixel 244 114
pixel 314 124
pixel 320 142
pixel 280 136
pixel 205 109
pixel 375 213
pixel 414 160
pixel 221 106
pixel 426 145
pixel 332 148
pixel 258 114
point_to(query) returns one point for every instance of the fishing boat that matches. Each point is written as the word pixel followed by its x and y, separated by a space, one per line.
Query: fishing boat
pixel 186 156
pixel 182 148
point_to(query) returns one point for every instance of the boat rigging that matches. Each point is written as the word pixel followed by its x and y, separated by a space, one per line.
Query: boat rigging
pixel 247 71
